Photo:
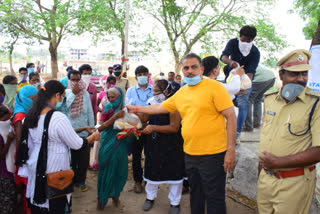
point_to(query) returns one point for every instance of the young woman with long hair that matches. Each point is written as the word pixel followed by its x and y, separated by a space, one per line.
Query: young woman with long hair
pixel 61 137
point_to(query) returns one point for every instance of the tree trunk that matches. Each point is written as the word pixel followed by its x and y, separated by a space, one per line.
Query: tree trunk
pixel 122 47
pixel 122 50
pixel 177 61
pixel 177 67
pixel 53 49
pixel 11 64
pixel 316 38
pixel 10 57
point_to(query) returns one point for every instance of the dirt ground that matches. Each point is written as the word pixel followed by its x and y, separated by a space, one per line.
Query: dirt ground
pixel 131 203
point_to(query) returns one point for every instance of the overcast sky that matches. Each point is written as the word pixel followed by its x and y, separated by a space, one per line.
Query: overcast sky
pixel 289 24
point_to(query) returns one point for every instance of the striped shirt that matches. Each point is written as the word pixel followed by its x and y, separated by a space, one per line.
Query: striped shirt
pixel 61 138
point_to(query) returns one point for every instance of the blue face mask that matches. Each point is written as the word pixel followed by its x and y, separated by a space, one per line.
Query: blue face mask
pixel 142 80
pixel 30 70
pixel 192 80
pixel 58 105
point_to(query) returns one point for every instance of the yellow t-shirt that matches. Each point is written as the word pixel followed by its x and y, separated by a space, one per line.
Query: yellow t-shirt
pixel 203 125
pixel 20 85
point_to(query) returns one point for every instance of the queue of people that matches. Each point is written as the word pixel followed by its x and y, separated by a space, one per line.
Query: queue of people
pixel 189 131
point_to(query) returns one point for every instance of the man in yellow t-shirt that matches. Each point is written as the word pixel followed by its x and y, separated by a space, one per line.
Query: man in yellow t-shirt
pixel 209 131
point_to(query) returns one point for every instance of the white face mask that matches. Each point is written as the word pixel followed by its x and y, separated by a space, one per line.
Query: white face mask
pixel 36 84
pixel 22 77
pixel 5 126
pixel 86 79
pixel 245 47
pixel 156 99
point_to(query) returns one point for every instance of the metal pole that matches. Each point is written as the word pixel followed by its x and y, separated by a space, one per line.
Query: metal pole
pixel 126 33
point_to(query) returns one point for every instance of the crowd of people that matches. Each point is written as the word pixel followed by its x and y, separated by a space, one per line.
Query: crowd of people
pixel 188 133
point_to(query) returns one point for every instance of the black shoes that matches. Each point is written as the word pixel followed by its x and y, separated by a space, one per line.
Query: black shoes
pixel 174 209
pixel 148 204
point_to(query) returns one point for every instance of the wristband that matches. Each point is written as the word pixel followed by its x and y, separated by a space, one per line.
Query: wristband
pixel 136 109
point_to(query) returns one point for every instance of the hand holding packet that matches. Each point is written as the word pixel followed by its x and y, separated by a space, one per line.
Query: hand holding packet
pixel 130 120
pixel 245 80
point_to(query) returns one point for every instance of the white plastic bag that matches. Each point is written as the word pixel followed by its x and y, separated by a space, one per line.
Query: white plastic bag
pixel 245 80
pixel 129 120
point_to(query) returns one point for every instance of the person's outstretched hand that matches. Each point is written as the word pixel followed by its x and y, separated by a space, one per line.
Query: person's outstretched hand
pixel 131 108
pixel 233 64
pixel 89 129
pixel 148 130
pixel 96 136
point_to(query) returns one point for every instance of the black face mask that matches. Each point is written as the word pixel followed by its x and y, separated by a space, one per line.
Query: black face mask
pixel 117 73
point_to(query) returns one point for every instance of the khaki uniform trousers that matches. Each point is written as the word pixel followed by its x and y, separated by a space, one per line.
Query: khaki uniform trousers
pixel 286 196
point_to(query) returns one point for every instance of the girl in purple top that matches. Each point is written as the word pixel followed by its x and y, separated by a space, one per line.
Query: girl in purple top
pixel 7 184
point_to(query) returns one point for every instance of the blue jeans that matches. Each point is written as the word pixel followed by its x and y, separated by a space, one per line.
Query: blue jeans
pixel 242 100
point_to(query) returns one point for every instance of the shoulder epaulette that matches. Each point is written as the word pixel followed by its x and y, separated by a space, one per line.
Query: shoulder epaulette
pixel 273 91
pixel 313 93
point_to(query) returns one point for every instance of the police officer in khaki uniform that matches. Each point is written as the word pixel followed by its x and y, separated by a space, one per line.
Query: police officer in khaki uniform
pixel 290 140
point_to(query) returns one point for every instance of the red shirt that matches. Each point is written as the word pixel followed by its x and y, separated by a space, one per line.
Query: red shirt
pixel 18 117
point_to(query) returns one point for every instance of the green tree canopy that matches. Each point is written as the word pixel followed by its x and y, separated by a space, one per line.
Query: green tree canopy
pixel 210 22
pixel 310 12
pixel 50 21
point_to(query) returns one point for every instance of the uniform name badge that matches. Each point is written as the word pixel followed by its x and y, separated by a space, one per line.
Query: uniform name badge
pixel 271 113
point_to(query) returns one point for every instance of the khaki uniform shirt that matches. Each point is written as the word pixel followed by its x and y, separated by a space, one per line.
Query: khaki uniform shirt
pixel 123 83
pixel 278 114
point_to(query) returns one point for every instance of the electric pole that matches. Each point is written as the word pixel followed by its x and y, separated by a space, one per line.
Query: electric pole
pixel 125 58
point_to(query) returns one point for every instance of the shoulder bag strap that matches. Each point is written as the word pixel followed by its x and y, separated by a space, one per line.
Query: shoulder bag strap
pixel 22 153
pixel 41 178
